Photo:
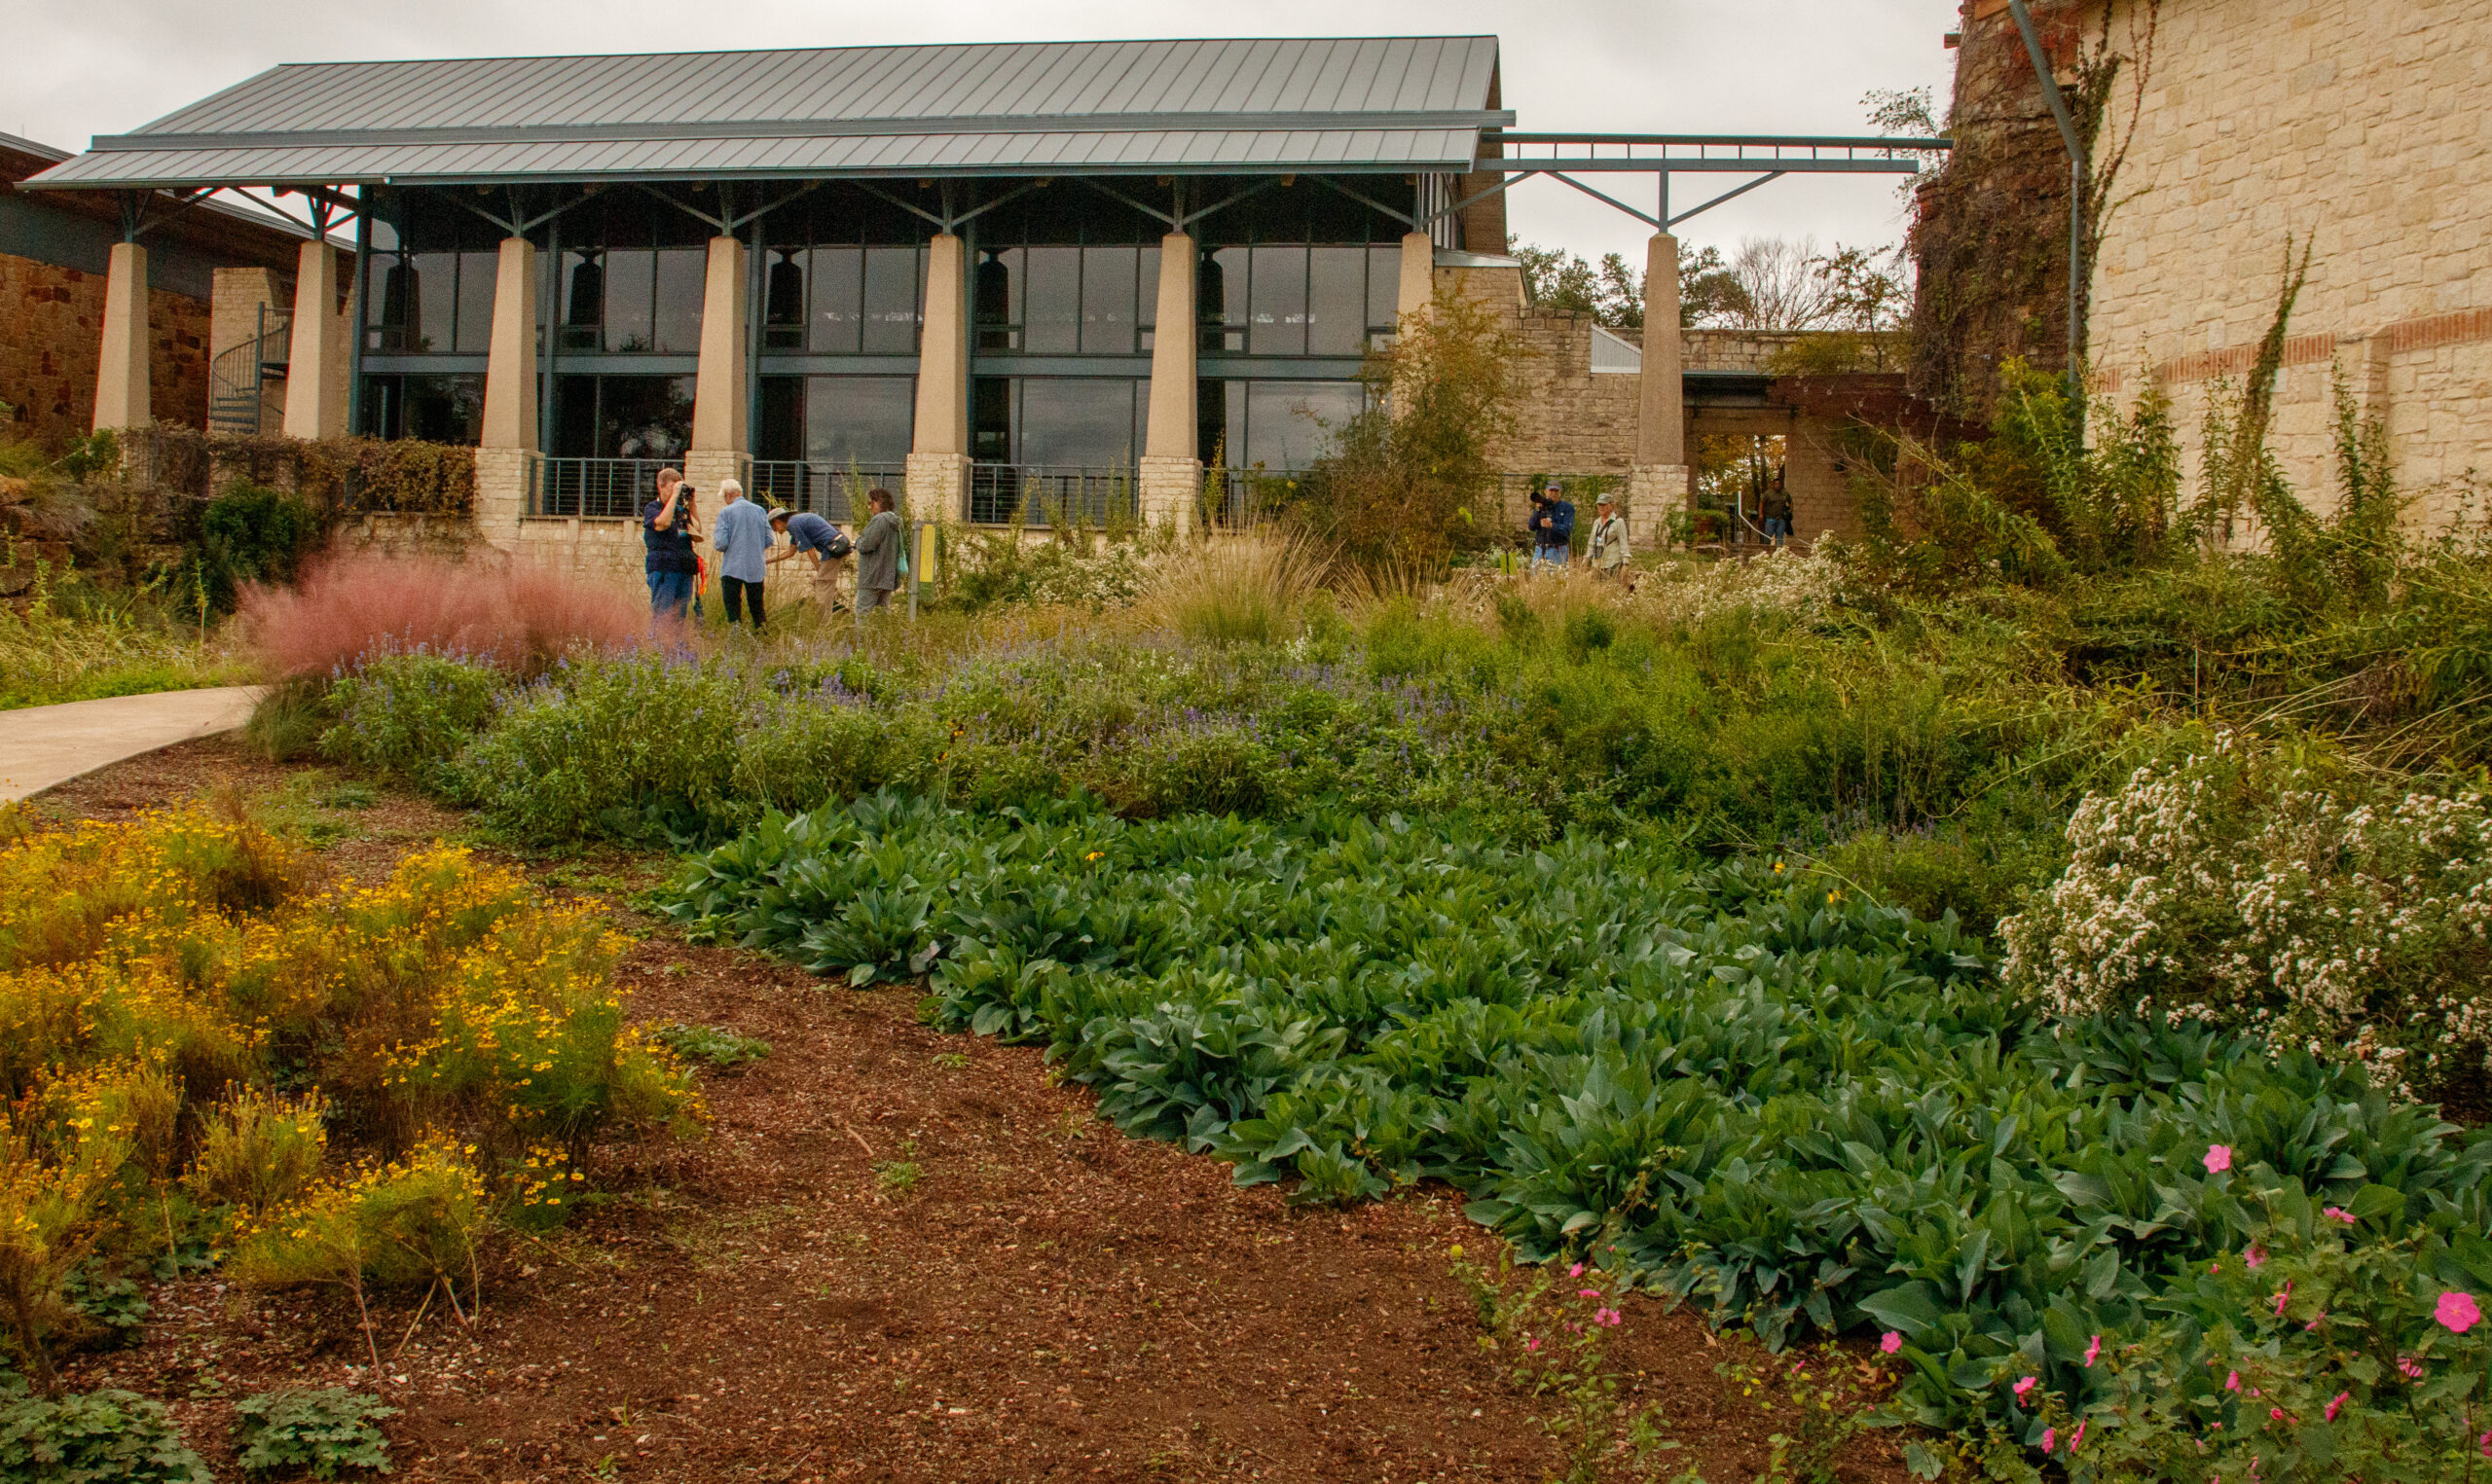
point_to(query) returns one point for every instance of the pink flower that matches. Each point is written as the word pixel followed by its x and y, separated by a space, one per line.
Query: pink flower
pixel 2276 1414
pixel 1588 1293
pixel 1891 1342
pixel 2025 1385
pixel 1577 1271
pixel 2341 1214
pixel 2232 1380
pixel 2093 1350
pixel 1531 1347
pixel 2412 1367
pixel 2315 1323
pixel 2077 1438
pixel 2284 1295
pixel 2050 1436
pixel 2485 1443
pixel 2252 1257
pixel 2338 1405
pixel 2458 1311
pixel 2218 1158
pixel 1608 1317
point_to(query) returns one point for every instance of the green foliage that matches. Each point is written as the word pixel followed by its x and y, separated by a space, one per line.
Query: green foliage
pixel 287 721
pixel 321 1431
pixel 409 713
pixel 1560 283
pixel 717 1046
pixel 251 534
pixel 1816 1114
pixel 99 1437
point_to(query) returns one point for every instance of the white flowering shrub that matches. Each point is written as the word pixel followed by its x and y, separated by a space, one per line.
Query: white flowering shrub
pixel 1785 582
pixel 2237 887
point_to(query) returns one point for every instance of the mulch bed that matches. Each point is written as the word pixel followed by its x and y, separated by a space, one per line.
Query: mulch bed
pixel 906 1256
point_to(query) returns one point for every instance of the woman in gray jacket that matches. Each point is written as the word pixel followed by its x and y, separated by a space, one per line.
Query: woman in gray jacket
pixel 878 554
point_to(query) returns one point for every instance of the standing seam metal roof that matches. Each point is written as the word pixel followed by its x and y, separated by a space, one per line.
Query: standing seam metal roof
pixel 1367 103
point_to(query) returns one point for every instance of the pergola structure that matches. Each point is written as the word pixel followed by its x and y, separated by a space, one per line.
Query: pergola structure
pixel 967 268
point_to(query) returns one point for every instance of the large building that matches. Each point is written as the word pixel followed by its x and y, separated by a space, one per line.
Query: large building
pixel 994 277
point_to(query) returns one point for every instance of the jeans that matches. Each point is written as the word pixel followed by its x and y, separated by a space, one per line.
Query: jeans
pixel 1552 557
pixel 739 592
pixel 1776 530
pixel 668 592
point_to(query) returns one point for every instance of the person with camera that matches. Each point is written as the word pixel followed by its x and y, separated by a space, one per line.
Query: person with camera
pixel 1553 527
pixel 670 526
pixel 809 535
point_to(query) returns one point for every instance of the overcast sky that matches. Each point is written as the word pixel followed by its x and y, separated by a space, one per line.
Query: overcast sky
pixel 1624 66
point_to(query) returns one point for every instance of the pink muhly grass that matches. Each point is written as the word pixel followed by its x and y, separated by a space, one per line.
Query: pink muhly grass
pixel 518 616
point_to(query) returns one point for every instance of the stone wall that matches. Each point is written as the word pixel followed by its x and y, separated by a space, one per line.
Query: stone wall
pixel 235 317
pixel 2361 127
pixel 52 325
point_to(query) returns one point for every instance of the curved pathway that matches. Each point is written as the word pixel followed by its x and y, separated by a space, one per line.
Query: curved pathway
pixel 41 746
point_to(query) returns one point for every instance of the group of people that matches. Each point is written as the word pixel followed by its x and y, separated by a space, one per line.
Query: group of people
pixel 746 539
pixel 1552 528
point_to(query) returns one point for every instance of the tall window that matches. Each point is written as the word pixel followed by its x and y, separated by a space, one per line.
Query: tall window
pixel 1065 299
pixel 632 276
pixel 433 285
pixel 1291 299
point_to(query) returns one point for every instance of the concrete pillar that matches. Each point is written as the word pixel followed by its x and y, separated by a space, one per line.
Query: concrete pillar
pixel 1418 284
pixel 721 396
pixel 938 460
pixel 121 382
pixel 315 375
pixel 510 364
pixel 1172 466
pixel 1658 482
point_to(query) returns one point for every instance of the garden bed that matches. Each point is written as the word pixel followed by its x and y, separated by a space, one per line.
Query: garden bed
pixel 903 1254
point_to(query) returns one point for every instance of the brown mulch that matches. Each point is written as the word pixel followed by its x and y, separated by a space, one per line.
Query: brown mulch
pixel 901 1255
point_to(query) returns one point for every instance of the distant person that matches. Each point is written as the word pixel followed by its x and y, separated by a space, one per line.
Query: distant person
pixel 1553 527
pixel 668 528
pixel 744 541
pixel 810 535
pixel 1609 540
pixel 878 555
pixel 1777 509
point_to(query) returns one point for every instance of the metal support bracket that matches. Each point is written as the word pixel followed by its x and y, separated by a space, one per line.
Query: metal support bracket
pixel 1672 221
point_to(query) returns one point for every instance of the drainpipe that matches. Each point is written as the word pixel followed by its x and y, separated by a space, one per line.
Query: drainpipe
pixel 2067 122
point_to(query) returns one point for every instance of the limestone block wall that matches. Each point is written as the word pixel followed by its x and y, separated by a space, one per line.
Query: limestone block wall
pixel 2360 127
pixel 52 322
pixel 234 309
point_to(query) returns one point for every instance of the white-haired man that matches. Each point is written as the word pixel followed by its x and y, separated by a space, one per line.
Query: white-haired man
pixel 741 534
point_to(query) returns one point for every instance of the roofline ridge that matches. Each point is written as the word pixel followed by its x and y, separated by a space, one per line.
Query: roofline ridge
pixel 891 46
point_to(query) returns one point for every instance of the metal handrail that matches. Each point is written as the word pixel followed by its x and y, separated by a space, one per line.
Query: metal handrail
pixel 1052 495
pixel 834 491
pixel 615 489
pixel 1247 496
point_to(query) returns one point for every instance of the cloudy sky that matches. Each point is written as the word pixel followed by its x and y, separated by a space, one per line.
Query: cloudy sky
pixel 1629 66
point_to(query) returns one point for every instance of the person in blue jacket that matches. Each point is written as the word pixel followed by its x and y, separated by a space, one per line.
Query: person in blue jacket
pixel 1553 527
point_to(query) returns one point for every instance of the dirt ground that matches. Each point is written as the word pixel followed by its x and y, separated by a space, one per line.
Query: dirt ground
pixel 905 1256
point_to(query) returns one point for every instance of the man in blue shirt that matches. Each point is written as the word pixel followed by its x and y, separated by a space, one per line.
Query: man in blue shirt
pixel 743 539
pixel 809 535
pixel 669 525
pixel 1553 527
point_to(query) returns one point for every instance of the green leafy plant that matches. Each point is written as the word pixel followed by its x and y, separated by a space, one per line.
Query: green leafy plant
pixel 107 1437
pixel 717 1046
pixel 321 1431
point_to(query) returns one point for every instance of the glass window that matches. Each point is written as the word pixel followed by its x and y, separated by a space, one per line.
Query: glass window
pixel 622 416
pixel 583 298
pixel 1050 302
pixel 859 419
pixel 433 301
pixel 477 272
pixel 995 299
pixel 683 274
pixel 445 409
pixel 1279 427
pixel 1084 421
pixel 1107 299
pixel 1336 301
pixel 1146 295
pixel 991 420
pixel 1383 288
pixel 1278 302
pixel 631 299
pixel 387 308
pixel 839 298
pixel 1220 299
pixel 783 301
pixel 892 279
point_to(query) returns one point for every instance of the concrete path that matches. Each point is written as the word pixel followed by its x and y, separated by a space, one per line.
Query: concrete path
pixel 41 746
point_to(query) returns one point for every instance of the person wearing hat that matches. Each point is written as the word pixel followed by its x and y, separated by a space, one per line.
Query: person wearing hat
pixel 809 535
pixel 1553 527
pixel 743 539
pixel 1609 539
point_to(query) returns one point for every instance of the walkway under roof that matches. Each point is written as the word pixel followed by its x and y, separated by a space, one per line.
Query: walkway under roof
pixel 1394 104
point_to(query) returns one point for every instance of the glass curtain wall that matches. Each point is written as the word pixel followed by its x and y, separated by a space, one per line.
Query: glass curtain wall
pixel 842 287
pixel 427 320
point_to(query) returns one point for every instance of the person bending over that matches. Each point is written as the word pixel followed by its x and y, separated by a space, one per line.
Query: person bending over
pixel 810 535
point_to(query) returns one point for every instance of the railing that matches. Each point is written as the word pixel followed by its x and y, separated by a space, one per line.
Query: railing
pixel 616 487
pixel 834 491
pixel 1052 495
pixel 1234 499
pixel 237 377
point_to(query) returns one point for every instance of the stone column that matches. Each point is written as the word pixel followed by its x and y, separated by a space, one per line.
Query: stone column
pixel 120 383
pixel 315 365
pixel 507 443
pixel 1418 284
pixel 938 458
pixel 1172 465
pixel 1659 481
pixel 721 396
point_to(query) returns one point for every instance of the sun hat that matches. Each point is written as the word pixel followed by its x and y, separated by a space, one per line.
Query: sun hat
pixel 780 512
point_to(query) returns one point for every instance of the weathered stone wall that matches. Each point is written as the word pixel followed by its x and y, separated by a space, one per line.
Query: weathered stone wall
pixel 2363 127
pixel 52 325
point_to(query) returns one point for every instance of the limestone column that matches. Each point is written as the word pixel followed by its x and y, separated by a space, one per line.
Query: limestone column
pixel 721 396
pixel 1172 465
pixel 507 443
pixel 1659 481
pixel 1418 284
pixel 315 363
pixel 121 382
pixel 938 460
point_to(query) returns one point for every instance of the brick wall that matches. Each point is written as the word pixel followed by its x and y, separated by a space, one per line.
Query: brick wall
pixel 2363 124
pixel 52 323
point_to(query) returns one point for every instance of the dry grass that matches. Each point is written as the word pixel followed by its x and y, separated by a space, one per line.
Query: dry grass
pixel 518 616
pixel 1236 590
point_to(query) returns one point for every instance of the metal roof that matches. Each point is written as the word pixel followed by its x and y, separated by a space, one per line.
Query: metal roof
pixel 1387 104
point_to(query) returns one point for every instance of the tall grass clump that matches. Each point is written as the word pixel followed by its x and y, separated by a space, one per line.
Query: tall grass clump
pixel 1244 589
pixel 518 617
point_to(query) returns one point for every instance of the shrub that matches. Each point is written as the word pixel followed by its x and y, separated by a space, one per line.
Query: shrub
pixel 99 1437
pixel 260 1149
pixel 252 534
pixel 409 713
pixel 404 1224
pixel 322 1430
pixel 287 721
pixel 518 617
